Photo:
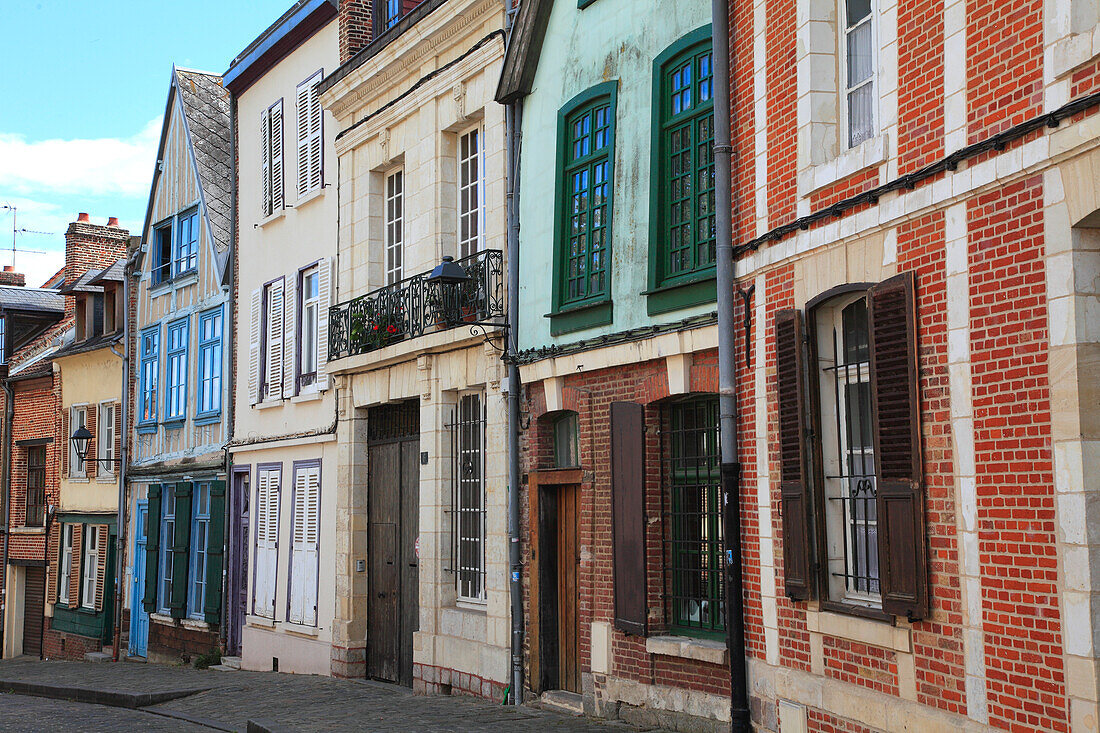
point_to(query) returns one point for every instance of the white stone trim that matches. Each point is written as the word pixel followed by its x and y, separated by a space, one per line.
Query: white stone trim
pixel 760 111
pixel 954 75
pixel 768 591
pixel 685 647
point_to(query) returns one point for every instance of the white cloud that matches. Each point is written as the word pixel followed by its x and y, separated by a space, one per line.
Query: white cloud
pixel 101 166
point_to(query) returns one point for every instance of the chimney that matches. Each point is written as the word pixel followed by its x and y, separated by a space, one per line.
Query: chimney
pixel 91 246
pixel 10 277
pixel 112 221
pixel 355 26
pixel 82 216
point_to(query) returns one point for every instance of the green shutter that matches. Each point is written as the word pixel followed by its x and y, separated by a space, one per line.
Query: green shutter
pixel 215 556
pixel 152 542
pixel 177 606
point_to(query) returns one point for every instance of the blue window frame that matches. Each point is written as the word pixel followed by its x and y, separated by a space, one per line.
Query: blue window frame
pixel 150 373
pixel 393 12
pixel 187 242
pixel 175 394
pixel 167 535
pixel 200 527
pixel 210 363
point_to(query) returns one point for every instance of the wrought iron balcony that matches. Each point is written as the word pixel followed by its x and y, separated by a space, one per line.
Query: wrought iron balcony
pixel 416 306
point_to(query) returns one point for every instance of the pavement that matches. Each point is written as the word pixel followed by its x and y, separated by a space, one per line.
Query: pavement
pixel 37 696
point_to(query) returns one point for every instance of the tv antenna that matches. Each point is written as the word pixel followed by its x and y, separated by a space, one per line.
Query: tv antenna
pixel 15 230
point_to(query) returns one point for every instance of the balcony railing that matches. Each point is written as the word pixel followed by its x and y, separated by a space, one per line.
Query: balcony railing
pixel 415 306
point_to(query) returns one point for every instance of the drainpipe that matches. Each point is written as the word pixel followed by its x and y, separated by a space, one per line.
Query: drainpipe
pixel 727 386
pixel 5 490
pixel 229 334
pixel 120 532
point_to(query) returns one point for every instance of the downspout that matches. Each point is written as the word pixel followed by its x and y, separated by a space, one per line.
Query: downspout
pixel 229 334
pixel 5 489
pixel 513 114
pixel 727 383
pixel 120 532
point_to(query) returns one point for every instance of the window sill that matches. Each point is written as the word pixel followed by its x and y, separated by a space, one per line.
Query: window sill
pixel 685 647
pixel 260 622
pixel 208 419
pixel 162 618
pixel 108 479
pixel 194 624
pixel 78 479
pixel 268 405
pixel 147 429
pixel 281 213
pixel 878 632
pixel 479 607
pixel 311 396
pixel 310 631
pixel 580 317
pixel 870 152
pixel 310 197
pixel 684 294
pixel 28 530
pixel 175 423
pixel 166 286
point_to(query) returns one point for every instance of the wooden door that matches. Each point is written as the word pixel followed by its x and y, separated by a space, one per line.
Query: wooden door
pixel 34 600
pixel 568 589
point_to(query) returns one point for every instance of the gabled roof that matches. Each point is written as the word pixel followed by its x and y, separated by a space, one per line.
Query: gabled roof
pixel 116 273
pixel 293 28
pixel 83 284
pixel 521 59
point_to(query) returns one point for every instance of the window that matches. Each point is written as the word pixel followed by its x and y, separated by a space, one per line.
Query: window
pixel 585 226
pixel 162 253
pixel 110 321
pixel 265 558
pixel 105 443
pixel 187 243
pixel 273 340
pixel 167 540
pixel 66 564
pixel 395 225
pixel 693 480
pixel 470 204
pixel 78 419
pixel 469 497
pixel 3 340
pixel 200 528
pixel 391 12
pixel 271 156
pixel 310 140
pixel 36 486
pixel 210 363
pixel 90 565
pixel 859 70
pixel 175 400
pixel 684 176
pixel 309 310
pixel 566 441
pixel 850 468
pixel 150 373
pixel 305 539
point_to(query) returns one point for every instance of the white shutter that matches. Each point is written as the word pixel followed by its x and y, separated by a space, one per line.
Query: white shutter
pixel 277 186
pixel 315 140
pixel 273 358
pixel 303 552
pixel 267 534
pixel 324 302
pixel 254 347
pixel 265 164
pixel 303 137
pixel 290 371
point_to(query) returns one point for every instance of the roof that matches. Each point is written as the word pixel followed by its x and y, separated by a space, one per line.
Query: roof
pixel 294 27
pixel 56 280
pixel 521 59
pixel 83 284
pixel 13 297
pixel 113 274
pixel 93 344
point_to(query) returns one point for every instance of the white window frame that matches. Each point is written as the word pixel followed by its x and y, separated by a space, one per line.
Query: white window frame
pixel 847 90
pixel 479 596
pixel 77 468
pixel 393 216
pixel 89 560
pixel 474 185
pixel 64 576
pixel 309 322
pixel 105 437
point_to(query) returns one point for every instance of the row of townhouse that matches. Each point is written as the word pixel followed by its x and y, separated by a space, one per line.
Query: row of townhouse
pixel 387 219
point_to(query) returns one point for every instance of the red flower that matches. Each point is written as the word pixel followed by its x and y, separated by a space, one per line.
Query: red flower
pixel 376 327
pixel 392 329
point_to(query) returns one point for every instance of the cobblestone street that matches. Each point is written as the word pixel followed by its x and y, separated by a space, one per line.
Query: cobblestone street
pixel 231 700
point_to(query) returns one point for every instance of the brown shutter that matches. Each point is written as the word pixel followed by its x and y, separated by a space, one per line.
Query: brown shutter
pixel 91 465
pixel 118 436
pixel 628 515
pixel 903 565
pixel 74 568
pixel 101 567
pixel 53 552
pixel 64 447
pixel 794 487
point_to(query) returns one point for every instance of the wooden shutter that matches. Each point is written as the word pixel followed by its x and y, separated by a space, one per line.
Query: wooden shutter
pixel 302 128
pixel 181 546
pixel 903 565
pixel 303 552
pixel 65 445
pixel 273 346
pixel 118 438
pixel 92 420
pixel 100 566
pixel 265 158
pixel 255 329
pixel 316 143
pixel 628 516
pixel 324 302
pixel 794 488
pixel 75 580
pixel 291 309
pixel 152 555
pixel 54 541
pixel 267 532
pixel 277 183
pixel 215 553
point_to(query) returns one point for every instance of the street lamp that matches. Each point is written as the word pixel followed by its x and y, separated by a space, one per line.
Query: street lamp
pixel 80 438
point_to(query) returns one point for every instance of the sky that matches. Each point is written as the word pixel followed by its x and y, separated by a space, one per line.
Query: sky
pixel 83 84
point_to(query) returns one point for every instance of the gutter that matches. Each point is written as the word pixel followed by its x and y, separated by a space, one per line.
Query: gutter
pixel 727 379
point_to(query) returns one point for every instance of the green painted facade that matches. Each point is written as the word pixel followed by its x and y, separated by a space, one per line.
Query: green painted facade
pixel 608 47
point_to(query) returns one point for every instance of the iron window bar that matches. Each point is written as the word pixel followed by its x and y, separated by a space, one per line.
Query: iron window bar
pixel 467 512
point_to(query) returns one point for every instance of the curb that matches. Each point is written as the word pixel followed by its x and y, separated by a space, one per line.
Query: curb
pixel 112 698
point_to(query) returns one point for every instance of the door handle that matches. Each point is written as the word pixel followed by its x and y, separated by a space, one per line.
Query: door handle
pixel 381 594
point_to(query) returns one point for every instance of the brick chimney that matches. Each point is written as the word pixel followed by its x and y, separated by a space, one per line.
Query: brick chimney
pixel 91 247
pixel 10 277
pixel 355 26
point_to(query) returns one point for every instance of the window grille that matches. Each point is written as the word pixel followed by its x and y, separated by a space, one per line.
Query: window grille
pixel 398 421
pixel 467 515
pixel 692 475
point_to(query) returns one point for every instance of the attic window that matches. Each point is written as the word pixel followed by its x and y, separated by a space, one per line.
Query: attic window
pixel 162 253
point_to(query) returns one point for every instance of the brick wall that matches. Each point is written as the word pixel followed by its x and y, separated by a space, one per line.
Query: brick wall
pixel 64 645
pixel 174 643
pixel 355 26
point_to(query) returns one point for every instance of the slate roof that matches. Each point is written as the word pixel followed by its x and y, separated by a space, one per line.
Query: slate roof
pixel 205 106
pixel 83 284
pixel 96 342
pixel 31 299
pixel 116 273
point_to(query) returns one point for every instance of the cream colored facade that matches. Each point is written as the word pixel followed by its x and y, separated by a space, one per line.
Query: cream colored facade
pixel 451 60
pixel 297 425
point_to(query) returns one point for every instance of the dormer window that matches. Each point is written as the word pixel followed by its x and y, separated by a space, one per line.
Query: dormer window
pixel 89 316
pixel 110 319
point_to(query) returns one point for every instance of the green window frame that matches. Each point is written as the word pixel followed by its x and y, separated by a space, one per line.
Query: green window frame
pixel 693 479
pixel 683 241
pixel 583 229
